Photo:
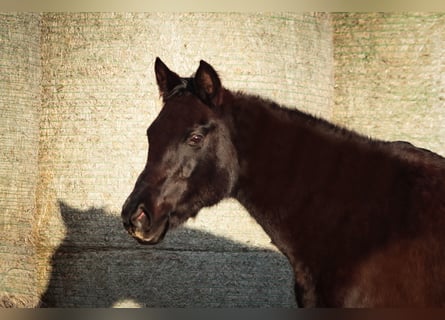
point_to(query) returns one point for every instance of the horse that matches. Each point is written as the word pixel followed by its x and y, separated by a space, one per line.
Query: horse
pixel 360 220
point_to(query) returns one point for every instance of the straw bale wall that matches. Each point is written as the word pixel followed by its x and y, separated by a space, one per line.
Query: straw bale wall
pixel 19 137
pixel 78 91
pixel 390 76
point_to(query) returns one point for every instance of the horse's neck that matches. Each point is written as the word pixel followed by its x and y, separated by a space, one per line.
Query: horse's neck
pixel 276 150
pixel 297 173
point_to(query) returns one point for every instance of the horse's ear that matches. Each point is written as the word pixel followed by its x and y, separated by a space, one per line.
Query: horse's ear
pixel 207 84
pixel 165 78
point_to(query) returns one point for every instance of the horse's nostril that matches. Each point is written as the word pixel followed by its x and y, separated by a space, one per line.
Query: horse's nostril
pixel 140 217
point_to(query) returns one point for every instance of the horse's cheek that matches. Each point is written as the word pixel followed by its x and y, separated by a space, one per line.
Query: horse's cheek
pixel 187 168
pixel 172 191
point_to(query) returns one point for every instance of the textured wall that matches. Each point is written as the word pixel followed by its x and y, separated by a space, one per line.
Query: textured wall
pixel 390 76
pixel 99 96
pixel 19 125
pixel 78 91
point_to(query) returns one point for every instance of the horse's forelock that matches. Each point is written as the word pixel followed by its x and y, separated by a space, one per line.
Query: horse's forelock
pixel 186 85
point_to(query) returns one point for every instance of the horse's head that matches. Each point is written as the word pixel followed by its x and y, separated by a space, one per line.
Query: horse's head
pixel 191 161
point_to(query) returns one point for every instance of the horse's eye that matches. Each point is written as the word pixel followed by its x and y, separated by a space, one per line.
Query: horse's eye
pixel 195 139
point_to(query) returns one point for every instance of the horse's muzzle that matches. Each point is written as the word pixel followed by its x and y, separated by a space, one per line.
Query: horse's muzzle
pixel 141 225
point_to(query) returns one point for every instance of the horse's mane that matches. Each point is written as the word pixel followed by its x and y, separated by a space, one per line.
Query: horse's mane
pixel 287 114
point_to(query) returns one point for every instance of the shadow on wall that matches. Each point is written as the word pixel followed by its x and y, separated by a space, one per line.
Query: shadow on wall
pixel 99 265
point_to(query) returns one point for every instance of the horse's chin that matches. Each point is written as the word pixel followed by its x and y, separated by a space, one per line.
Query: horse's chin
pixel 178 218
pixel 149 242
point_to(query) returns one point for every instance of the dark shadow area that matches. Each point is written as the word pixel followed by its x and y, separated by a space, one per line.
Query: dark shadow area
pixel 99 265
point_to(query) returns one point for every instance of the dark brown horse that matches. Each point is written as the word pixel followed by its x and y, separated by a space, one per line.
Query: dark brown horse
pixel 361 221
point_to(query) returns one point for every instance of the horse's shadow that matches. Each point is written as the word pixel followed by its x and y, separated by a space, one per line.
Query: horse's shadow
pixel 99 265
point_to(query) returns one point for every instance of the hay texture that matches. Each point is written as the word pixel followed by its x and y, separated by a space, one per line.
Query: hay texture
pixel 78 92
pixel 19 135
pixel 390 76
